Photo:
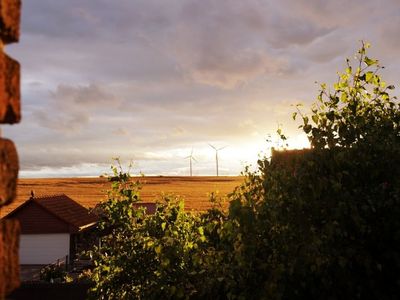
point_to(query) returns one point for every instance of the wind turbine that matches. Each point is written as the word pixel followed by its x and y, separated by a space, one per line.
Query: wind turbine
pixel 216 155
pixel 190 159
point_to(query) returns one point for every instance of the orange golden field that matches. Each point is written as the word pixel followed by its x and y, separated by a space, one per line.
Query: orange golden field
pixel 90 191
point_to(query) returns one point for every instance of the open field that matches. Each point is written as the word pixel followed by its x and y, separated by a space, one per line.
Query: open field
pixel 90 191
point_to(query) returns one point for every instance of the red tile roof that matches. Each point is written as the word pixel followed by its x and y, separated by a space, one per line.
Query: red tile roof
pixel 64 208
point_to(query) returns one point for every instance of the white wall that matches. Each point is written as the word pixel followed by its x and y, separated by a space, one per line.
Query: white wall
pixel 38 249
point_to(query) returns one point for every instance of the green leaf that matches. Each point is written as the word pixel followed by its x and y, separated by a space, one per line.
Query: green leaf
pixel 369 76
pixel 158 249
pixel 336 86
pixel 307 128
pixel 369 62
pixel 201 230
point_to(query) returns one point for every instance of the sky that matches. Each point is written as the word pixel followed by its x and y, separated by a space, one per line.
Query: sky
pixel 150 80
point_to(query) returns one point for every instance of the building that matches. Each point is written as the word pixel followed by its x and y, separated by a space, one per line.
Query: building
pixel 52 228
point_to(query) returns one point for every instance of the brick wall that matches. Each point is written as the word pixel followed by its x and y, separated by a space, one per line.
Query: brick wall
pixel 10 113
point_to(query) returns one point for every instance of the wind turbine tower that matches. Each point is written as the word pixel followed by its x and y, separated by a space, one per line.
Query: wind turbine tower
pixel 216 155
pixel 191 158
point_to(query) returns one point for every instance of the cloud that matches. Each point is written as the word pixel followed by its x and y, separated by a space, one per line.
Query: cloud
pixel 327 48
pixel 66 123
pixel 69 107
pixel 333 14
pixel 79 96
pixel 121 131
pixel 219 43
pixel 227 44
pixel 105 78
pixel 228 68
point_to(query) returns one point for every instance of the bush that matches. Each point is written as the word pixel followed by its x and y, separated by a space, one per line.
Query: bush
pixel 325 223
pixel 53 273
pixel 145 256
pixel 313 224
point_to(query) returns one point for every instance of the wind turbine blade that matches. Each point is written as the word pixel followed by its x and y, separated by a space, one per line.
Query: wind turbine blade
pixel 194 159
pixel 212 147
pixel 222 148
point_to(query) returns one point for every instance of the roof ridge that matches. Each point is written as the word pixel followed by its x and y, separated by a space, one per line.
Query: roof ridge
pixel 49 196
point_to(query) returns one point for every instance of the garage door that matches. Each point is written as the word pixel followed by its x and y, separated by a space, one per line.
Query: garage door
pixel 40 249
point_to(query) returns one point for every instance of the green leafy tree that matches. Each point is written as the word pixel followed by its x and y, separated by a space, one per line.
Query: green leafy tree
pixel 326 221
pixel 360 108
pixel 145 256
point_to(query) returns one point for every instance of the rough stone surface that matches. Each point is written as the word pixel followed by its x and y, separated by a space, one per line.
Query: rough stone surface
pixel 9 264
pixel 10 111
pixel 8 171
pixel 10 12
